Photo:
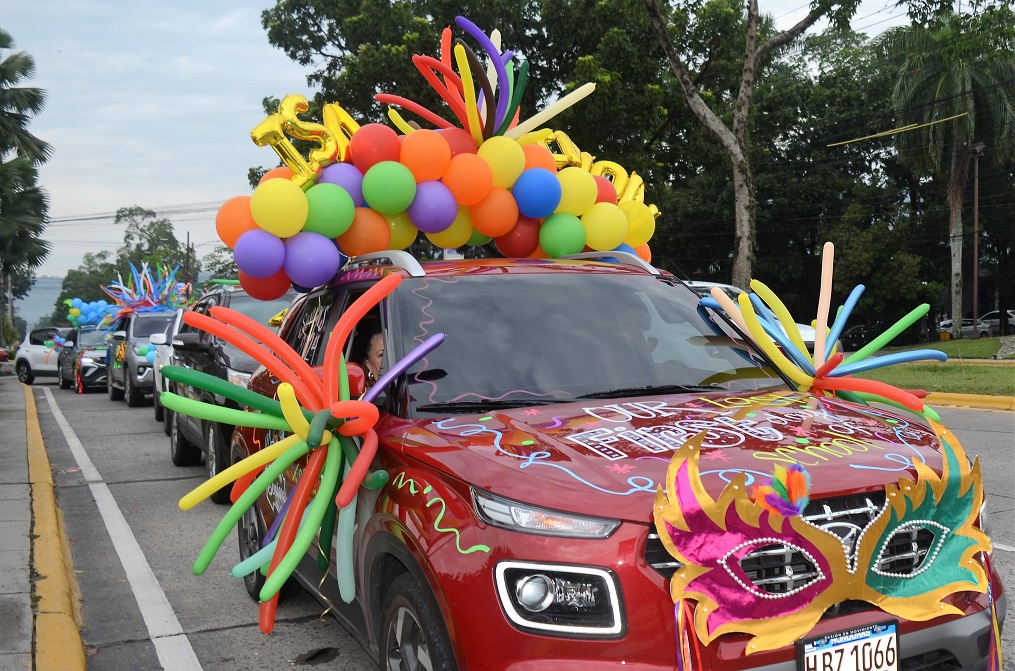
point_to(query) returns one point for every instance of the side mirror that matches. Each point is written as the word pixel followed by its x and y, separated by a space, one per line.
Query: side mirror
pixel 68 344
pixel 357 379
pixel 157 338
pixel 119 335
pixel 189 342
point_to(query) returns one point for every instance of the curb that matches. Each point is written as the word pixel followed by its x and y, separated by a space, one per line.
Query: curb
pixel 58 645
pixel 972 400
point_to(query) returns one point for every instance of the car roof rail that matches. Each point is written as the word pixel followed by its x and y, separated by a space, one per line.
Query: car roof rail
pixel 625 258
pixel 395 257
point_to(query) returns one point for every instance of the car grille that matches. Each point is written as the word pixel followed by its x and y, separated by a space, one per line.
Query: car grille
pixel 778 569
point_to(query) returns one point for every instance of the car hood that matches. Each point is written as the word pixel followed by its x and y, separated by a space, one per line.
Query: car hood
pixel 609 459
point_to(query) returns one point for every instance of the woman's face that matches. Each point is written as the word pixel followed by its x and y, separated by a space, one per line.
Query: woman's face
pixel 375 354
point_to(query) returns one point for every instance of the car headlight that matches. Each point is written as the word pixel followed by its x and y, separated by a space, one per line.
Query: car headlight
pixel 559 599
pixel 87 361
pixel 501 512
pixel 984 520
pixel 239 378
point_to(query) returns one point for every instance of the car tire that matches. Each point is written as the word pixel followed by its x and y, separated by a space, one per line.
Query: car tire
pixel 181 451
pixel 216 459
pixel 61 380
pixel 24 372
pixel 134 396
pixel 167 421
pixel 115 394
pixel 160 412
pixel 413 635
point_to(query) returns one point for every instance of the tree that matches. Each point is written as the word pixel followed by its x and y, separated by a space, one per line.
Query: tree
pixel 85 282
pixel 734 137
pixel 954 79
pixel 23 206
pixel 152 240
pixel 219 262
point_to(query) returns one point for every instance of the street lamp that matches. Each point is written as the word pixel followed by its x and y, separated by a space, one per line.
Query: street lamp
pixel 976 151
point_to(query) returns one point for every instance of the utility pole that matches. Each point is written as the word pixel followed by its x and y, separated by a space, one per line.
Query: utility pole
pixel 976 151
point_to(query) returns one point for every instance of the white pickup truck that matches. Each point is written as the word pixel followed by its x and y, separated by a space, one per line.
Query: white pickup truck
pixel 35 358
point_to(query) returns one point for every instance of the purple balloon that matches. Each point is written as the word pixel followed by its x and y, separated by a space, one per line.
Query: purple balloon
pixel 347 176
pixel 434 208
pixel 258 253
pixel 310 259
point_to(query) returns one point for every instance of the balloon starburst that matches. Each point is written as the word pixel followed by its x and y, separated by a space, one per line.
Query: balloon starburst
pixel 146 292
pixel 770 325
pixel 323 421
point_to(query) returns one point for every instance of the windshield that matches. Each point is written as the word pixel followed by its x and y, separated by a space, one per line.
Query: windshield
pixel 259 311
pixel 525 338
pixel 145 325
pixel 91 338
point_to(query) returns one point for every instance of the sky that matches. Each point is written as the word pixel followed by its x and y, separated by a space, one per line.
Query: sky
pixel 151 104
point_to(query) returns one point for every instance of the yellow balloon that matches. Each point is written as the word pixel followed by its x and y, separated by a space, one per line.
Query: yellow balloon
pixel 280 207
pixel 605 226
pixel 578 191
pixel 455 235
pixel 75 311
pixel 506 159
pixel 641 223
pixel 403 233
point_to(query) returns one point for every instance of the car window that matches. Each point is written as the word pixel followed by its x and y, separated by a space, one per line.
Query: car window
pixel 91 338
pixel 40 337
pixel 559 337
pixel 145 325
pixel 259 311
pixel 306 332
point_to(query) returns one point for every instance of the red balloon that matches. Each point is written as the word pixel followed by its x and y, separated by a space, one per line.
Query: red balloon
pixel 267 288
pixel 460 140
pixel 372 144
pixel 607 192
pixel 520 241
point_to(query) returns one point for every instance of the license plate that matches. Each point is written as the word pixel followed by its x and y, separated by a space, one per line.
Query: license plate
pixel 873 647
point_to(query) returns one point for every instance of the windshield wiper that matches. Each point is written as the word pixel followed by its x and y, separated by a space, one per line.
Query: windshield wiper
pixel 483 406
pixel 652 389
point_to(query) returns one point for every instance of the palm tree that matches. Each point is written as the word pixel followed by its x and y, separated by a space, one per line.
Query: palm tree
pixel 23 206
pixel 954 80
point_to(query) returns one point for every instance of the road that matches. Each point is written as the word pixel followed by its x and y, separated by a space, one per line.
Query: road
pixel 212 614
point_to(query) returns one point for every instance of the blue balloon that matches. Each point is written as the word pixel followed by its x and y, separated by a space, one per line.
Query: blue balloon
pixel 77 303
pixel 537 192
pixel 150 356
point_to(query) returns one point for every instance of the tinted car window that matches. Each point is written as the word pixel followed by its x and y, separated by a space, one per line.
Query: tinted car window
pixel 542 337
pixel 259 311
pixel 145 325
pixel 92 338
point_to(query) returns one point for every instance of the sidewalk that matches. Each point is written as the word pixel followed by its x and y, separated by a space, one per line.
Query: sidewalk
pixel 39 627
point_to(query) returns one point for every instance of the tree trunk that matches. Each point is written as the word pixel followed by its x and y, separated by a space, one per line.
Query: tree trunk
pixel 957 182
pixel 745 211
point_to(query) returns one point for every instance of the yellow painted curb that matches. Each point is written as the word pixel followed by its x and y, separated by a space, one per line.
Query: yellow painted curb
pixel 972 400
pixel 58 645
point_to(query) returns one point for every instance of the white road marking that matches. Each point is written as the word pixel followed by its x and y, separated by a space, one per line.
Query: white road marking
pixel 171 644
pixel 999 546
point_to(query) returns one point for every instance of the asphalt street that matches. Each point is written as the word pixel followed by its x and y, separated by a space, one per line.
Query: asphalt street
pixel 210 617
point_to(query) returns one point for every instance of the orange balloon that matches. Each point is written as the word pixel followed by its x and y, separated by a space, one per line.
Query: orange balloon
pixel 496 214
pixel 644 253
pixel 369 233
pixel 538 156
pixel 234 219
pixel 281 172
pixel 469 178
pixel 538 254
pixel 426 153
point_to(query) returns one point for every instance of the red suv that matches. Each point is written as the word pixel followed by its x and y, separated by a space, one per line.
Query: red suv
pixel 525 453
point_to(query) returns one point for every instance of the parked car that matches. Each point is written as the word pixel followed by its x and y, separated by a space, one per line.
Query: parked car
pixel 982 328
pixel 81 364
pixel 193 348
pixel 858 335
pixel 525 452
pixel 163 343
pixel 37 355
pixel 704 289
pixel 128 374
pixel 993 319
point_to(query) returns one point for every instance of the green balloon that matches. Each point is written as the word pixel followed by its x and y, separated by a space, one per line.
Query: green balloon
pixel 561 234
pixel 389 187
pixel 330 210
pixel 477 239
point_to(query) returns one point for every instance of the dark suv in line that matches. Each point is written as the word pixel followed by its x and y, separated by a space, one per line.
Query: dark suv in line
pixel 195 349
pixel 525 456
pixel 128 373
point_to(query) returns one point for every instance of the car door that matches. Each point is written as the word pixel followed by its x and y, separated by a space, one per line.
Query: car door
pixel 196 358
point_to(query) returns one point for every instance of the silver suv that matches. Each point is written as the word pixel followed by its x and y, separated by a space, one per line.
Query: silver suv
pixel 128 373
